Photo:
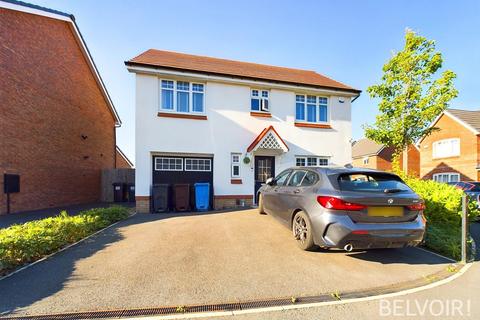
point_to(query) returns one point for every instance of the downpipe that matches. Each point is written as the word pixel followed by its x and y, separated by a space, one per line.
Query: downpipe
pixel 348 247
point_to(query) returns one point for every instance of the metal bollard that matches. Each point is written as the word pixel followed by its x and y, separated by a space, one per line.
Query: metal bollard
pixel 464 228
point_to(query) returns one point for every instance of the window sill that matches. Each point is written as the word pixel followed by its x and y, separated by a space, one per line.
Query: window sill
pixel 313 125
pixel 260 114
pixel 181 116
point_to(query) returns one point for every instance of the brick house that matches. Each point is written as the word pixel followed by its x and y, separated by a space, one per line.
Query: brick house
pixel 57 120
pixel 452 152
pixel 122 161
pixel 369 154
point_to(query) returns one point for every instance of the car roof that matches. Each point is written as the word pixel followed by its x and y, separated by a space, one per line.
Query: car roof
pixel 337 169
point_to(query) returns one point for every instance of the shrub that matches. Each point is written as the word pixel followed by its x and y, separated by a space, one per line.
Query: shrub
pixel 444 215
pixel 28 242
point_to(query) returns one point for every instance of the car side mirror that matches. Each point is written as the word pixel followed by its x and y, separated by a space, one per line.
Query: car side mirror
pixel 270 181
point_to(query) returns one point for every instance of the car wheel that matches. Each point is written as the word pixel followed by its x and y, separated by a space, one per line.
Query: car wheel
pixel 302 231
pixel 260 204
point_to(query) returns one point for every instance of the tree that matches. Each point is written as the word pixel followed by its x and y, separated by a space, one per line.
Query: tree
pixel 410 96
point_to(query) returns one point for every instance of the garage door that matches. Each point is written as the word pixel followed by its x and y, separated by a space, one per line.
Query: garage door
pixel 183 169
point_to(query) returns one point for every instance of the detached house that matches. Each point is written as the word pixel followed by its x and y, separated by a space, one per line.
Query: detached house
pixel 452 153
pixel 57 121
pixel 369 154
pixel 233 124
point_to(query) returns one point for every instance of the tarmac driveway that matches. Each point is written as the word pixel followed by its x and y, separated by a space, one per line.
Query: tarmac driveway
pixel 158 260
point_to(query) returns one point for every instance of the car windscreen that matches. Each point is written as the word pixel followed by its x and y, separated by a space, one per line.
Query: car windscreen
pixel 372 182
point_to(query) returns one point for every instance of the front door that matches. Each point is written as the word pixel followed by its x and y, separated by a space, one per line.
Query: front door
pixel 264 169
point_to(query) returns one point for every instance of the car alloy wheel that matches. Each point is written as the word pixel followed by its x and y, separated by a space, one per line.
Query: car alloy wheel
pixel 300 229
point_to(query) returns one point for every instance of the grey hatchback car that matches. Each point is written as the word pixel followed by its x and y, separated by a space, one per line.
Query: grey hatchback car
pixel 346 208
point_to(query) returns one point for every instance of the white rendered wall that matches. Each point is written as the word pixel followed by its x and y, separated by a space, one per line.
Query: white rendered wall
pixel 231 128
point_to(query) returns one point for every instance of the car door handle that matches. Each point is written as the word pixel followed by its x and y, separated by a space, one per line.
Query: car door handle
pixel 296 191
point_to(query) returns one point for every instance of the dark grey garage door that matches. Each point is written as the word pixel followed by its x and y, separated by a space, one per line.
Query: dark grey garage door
pixel 183 169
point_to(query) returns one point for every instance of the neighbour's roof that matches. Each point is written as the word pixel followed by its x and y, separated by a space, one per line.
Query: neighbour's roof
pixel 471 118
pixel 69 18
pixel 124 156
pixel 366 147
pixel 182 61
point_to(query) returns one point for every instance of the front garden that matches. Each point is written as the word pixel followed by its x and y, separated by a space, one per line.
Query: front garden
pixel 24 243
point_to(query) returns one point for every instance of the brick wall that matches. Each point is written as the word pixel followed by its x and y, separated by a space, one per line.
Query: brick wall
pixel 231 201
pixel 120 161
pixel 465 164
pixel 56 129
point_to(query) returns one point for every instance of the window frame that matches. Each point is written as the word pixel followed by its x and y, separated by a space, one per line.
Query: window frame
pixel 260 98
pixel 175 91
pixel 435 176
pixel 366 160
pixel 197 170
pixel 169 158
pixel 287 184
pixel 305 103
pixel 435 148
pixel 318 161
pixel 234 164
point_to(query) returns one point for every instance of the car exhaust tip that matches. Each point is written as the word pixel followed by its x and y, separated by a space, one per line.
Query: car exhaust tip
pixel 348 247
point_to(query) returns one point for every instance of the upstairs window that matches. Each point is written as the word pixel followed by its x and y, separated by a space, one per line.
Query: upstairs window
pixel 259 100
pixel 310 108
pixel 365 160
pixel 446 148
pixel 182 96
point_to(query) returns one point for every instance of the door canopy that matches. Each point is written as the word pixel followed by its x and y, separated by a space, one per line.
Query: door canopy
pixel 268 139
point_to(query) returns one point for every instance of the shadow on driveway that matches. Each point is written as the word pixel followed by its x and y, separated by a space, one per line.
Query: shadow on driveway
pixel 48 277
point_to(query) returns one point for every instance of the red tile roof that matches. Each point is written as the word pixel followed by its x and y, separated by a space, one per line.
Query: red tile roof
pixel 175 60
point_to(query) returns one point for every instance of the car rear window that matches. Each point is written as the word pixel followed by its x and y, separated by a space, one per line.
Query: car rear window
pixel 372 182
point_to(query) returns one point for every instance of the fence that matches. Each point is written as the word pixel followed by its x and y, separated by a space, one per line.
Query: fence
pixel 110 176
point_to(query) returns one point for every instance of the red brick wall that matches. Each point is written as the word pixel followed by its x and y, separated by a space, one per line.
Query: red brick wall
pixel 49 99
pixel 465 164
pixel 121 162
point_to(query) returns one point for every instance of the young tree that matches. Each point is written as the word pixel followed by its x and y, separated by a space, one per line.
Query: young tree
pixel 410 96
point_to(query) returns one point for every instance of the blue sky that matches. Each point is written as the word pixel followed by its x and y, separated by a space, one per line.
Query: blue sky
pixel 346 40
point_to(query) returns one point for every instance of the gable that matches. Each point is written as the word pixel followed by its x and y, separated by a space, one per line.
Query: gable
pixel 43 44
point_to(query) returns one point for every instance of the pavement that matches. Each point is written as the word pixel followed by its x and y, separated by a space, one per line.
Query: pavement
pixel 7 220
pixel 153 260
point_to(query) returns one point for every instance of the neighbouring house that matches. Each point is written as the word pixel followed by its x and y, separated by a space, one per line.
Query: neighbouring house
pixel 121 160
pixel 232 124
pixel 367 153
pixel 57 121
pixel 452 153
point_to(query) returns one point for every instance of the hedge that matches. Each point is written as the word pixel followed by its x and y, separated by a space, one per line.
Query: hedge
pixel 23 243
pixel 444 216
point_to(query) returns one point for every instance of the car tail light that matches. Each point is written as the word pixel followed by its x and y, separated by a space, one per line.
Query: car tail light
pixel 417 207
pixel 339 204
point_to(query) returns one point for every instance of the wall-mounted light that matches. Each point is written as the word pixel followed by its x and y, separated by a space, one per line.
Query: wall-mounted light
pixel 341 99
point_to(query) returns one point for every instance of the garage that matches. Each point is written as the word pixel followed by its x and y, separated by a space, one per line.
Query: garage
pixel 172 169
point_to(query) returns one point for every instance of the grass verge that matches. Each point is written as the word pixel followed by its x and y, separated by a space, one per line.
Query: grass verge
pixel 24 243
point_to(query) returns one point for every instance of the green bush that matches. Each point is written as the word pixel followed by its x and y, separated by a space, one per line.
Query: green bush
pixel 31 241
pixel 444 215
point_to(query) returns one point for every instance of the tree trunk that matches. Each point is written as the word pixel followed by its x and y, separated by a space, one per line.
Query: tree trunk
pixel 405 160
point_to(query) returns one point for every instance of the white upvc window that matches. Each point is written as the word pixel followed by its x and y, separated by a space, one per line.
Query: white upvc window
pixel 198 164
pixel 446 148
pixel 182 97
pixel 365 160
pixel 310 108
pixel 311 161
pixel 446 177
pixel 259 100
pixel 235 165
pixel 168 164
